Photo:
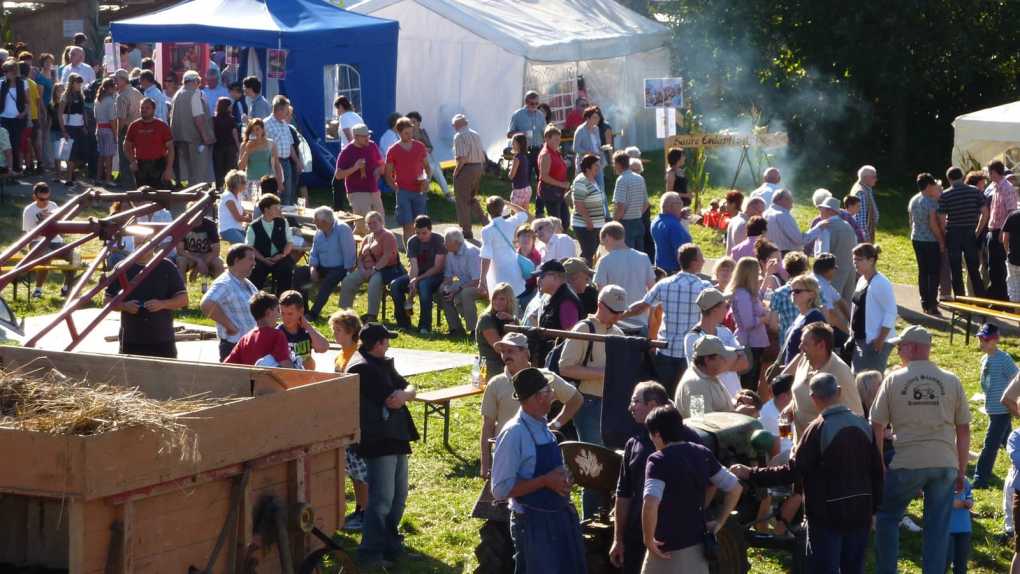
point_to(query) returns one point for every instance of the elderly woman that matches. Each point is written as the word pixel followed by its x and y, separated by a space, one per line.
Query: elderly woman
pixel 588 140
pixel 554 244
pixel 461 276
pixel 873 314
pixel 378 264
pixel 502 311
pixel 333 255
pixel 807 296
pixel 589 210
pixel 271 238
pixel 552 176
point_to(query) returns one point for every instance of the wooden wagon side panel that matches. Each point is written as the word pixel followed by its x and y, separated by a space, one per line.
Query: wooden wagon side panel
pixel 40 464
pixel 326 488
pixel 91 530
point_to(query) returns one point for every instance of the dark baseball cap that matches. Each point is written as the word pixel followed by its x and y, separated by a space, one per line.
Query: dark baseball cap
pixel 551 266
pixel 988 331
pixel 372 333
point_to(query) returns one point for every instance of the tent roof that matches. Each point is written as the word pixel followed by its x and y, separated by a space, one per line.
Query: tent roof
pixel 254 23
pixel 548 30
pixel 1004 114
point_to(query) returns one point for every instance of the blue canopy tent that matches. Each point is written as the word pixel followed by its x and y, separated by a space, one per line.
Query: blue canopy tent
pixel 316 35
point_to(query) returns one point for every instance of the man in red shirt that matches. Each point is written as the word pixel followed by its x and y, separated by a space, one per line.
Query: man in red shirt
pixel 407 171
pixel 149 146
pixel 265 344
pixel 575 116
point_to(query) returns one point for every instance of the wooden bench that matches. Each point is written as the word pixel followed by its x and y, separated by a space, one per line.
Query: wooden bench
pixel 438 402
pixel 993 303
pixel 448 164
pixel 969 310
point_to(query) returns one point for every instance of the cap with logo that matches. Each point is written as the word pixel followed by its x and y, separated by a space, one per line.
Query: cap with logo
pixel 913 334
pixel 988 331
pixel 614 298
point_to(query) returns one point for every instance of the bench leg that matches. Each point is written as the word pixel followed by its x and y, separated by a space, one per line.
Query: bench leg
pixel 446 425
pixel 966 338
pixel 952 326
pixel 425 430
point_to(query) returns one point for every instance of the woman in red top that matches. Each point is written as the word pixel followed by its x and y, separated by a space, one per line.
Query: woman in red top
pixel 378 263
pixel 552 176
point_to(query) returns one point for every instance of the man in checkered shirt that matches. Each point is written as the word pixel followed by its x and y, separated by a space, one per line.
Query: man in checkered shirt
pixel 278 129
pixel 678 295
pixel 226 302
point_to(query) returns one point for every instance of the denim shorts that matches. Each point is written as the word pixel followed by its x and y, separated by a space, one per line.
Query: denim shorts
pixel 232 236
pixel 410 204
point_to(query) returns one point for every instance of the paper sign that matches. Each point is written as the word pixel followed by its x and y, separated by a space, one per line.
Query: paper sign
pixel 664 93
pixel 665 122
pixel 276 64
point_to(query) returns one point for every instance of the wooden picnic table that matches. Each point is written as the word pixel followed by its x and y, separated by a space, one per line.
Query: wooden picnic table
pixel 438 402
pixel 305 215
pixel 967 310
pixel 984 302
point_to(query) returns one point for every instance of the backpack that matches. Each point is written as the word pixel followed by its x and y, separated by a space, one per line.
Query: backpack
pixel 552 360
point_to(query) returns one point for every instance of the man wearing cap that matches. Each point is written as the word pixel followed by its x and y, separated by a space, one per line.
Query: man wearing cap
pixel 841 242
pixel 678 295
pixel 579 277
pixel 470 156
pixel 585 362
pixel 499 404
pixel 711 359
pixel 386 434
pixel 626 267
pixel 841 470
pixel 714 306
pixel 817 356
pixel 527 469
pixel 628 550
pixel 360 164
pixel 927 409
pixel 997 370
pixel 129 104
pixel 192 130
pixel 561 311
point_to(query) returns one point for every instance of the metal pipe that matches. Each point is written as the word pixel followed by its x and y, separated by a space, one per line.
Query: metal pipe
pixel 556 333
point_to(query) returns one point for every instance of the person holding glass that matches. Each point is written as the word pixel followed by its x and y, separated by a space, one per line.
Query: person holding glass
pixel 258 154
pixel 700 391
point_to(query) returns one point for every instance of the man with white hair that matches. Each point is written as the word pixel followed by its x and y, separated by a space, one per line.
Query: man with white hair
pixel 213 90
pixel 736 229
pixel 77 65
pixel 333 255
pixel 467 176
pixel 459 291
pixel 769 186
pixel 668 233
pixel 783 229
pixel 867 217
pixel 192 130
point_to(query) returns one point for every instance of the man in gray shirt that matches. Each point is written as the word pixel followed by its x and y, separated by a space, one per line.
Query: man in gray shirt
pixel 459 290
pixel 630 200
pixel 626 267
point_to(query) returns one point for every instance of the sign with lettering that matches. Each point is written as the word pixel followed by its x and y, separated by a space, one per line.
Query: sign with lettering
pixel 764 140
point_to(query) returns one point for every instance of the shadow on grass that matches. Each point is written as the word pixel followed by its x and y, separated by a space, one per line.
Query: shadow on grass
pixel 418 562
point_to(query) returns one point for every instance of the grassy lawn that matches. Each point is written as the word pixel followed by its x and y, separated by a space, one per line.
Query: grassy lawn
pixel 444 485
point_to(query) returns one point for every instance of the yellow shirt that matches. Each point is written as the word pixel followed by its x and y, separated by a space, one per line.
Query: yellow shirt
pixel 34 96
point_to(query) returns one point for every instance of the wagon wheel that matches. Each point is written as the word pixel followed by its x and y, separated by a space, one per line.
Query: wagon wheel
pixel 328 561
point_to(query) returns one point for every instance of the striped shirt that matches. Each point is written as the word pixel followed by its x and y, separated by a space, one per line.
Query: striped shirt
pixel 588 194
pixel 962 205
pixel 279 132
pixel 1003 203
pixel 631 192
pixel 467 144
pixel 997 370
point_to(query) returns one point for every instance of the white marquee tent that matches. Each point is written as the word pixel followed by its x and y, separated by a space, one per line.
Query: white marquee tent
pixel 980 136
pixel 478 57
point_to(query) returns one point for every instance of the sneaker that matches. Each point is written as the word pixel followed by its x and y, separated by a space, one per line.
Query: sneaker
pixel 37 293
pixel 64 291
pixel 909 524
pixel 354 521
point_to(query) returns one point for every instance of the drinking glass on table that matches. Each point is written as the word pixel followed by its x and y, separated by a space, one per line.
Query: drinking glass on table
pixel 697 406
pixel 302 202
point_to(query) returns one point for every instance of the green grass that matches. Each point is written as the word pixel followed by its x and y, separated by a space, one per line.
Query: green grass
pixel 444 485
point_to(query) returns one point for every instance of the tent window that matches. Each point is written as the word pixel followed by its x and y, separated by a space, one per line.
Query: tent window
pixel 342 80
pixel 560 97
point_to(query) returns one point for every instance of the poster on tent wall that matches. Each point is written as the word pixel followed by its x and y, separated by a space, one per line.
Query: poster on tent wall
pixel 664 92
pixel 276 64
pixel 180 57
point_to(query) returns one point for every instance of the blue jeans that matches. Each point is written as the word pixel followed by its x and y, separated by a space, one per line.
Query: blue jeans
pixel 832 551
pixel 232 236
pixel 387 496
pixel 634 233
pixel 866 359
pixel 288 188
pixel 668 371
pixel 588 422
pixel 999 427
pixel 901 485
pixel 410 204
pixel 426 291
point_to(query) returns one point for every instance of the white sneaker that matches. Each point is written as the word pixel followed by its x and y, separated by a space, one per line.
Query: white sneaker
pixel 909 524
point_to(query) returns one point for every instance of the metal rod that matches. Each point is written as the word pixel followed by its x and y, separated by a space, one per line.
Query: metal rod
pixel 556 333
pixel 67 209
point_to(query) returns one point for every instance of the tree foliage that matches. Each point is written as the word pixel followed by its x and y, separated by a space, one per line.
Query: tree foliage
pixel 876 82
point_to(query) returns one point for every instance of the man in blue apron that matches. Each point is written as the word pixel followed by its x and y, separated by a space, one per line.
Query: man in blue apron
pixel 527 469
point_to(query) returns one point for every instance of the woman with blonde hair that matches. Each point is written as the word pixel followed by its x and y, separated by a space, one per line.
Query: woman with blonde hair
pixel 749 316
pixel 230 213
pixel 807 296
pixel 502 310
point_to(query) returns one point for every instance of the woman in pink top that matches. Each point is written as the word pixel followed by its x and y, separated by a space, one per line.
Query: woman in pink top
pixel 749 316
pixel 552 177
pixel 756 228
pixel 378 263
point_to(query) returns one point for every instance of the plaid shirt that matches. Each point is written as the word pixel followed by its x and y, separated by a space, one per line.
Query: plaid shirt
pixel 782 304
pixel 232 294
pixel 279 132
pixel 1004 201
pixel 678 296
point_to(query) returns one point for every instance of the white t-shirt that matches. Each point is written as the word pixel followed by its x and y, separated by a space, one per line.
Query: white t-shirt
pixel 33 215
pixel 388 138
pixel 500 252
pixel 227 220
pixel 730 379
pixel 561 246
pixel 348 120
pixel 88 75
pixel 769 417
pixel 630 269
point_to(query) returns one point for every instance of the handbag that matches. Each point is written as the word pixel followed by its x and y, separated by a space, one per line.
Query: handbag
pixel 525 265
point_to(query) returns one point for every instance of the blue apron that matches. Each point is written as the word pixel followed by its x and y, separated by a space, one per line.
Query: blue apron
pixel 547 536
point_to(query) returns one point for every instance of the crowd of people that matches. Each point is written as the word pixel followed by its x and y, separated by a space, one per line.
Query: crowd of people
pixel 793 326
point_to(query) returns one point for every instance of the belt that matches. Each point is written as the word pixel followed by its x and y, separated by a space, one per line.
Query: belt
pixel 107 125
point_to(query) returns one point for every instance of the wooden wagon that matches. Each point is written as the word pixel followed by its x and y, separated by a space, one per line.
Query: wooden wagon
pixel 114 503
